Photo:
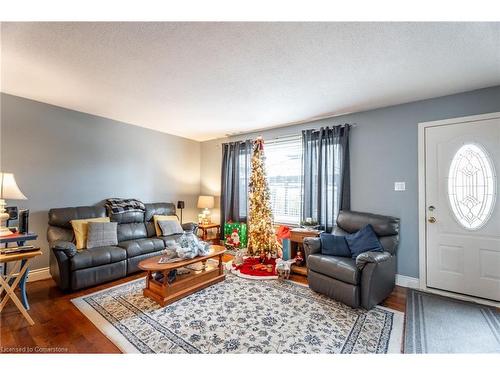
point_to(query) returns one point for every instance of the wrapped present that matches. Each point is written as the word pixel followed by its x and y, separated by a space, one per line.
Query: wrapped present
pixel 286 249
pixel 282 232
pixel 235 235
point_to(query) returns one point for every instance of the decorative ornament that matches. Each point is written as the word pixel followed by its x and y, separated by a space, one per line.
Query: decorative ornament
pixel 299 259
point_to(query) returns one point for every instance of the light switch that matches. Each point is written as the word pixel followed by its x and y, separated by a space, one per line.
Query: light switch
pixel 399 186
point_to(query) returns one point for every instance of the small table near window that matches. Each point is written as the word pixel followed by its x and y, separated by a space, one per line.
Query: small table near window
pixel 205 230
pixel 297 236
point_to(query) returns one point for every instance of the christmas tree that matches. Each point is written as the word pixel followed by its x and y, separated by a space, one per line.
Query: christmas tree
pixel 261 236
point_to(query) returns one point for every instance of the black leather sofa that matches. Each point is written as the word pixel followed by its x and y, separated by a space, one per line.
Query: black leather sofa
pixel 137 240
pixel 364 281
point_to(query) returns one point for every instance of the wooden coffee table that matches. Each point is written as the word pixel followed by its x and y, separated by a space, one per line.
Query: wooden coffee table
pixel 165 293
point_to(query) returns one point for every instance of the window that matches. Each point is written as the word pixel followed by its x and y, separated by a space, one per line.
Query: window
pixel 471 186
pixel 284 172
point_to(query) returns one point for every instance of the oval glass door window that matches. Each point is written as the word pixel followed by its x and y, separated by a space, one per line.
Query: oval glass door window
pixel 472 186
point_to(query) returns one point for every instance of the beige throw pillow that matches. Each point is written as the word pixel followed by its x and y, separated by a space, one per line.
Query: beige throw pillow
pixel 157 218
pixel 80 228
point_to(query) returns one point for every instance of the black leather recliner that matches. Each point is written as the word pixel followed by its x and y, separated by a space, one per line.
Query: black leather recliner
pixel 137 240
pixel 364 281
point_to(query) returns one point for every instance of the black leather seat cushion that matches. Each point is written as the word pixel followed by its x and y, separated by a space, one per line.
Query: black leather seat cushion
pixel 97 257
pixel 172 237
pixel 142 246
pixel 340 268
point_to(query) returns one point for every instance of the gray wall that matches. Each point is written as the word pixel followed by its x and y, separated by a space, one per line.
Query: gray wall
pixel 383 150
pixel 65 158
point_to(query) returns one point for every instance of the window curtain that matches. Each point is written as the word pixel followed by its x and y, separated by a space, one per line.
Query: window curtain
pixel 234 185
pixel 326 174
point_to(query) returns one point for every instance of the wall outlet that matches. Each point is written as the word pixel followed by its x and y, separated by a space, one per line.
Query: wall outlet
pixel 399 186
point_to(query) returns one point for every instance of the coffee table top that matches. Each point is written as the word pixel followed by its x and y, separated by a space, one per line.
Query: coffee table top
pixel 151 264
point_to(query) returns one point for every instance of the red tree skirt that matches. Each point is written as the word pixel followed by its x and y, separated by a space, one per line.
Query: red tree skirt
pixel 246 270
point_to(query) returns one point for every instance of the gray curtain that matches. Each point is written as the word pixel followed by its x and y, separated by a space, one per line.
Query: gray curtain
pixel 326 174
pixel 234 185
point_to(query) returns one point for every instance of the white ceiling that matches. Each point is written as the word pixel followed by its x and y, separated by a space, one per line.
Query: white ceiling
pixel 205 80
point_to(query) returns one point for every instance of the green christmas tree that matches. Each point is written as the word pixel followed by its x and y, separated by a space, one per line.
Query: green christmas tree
pixel 261 235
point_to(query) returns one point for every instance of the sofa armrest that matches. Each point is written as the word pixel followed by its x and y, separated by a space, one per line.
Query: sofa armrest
pixel 190 227
pixel 312 245
pixel 371 257
pixel 68 248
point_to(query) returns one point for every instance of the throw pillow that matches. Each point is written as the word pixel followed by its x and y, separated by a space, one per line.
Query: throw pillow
pixel 80 228
pixel 156 218
pixel 102 234
pixel 334 245
pixel 169 227
pixel 363 240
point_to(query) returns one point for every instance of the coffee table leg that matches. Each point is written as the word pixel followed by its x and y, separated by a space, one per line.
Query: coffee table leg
pixel 221 265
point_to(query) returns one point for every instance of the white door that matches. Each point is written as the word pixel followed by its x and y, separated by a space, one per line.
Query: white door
pixel 462 162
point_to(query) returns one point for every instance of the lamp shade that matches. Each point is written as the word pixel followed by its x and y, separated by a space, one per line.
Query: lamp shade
pixel 205 201
pixel 180 205
pixel 9 188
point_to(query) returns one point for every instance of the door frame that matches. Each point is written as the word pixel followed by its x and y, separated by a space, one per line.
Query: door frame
pixel 422 212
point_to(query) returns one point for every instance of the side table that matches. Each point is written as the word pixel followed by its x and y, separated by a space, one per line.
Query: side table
pixel 10 287
pixel 297 236
pixel 205 230
pixel 19 239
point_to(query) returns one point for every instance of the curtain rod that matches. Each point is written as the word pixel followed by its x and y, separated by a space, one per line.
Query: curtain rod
pixel 300 122
pixel 353 125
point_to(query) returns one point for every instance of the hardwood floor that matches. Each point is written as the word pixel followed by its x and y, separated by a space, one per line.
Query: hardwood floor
pixel 60 326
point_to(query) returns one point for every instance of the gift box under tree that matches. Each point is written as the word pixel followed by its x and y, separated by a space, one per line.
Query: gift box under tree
pixel 235 235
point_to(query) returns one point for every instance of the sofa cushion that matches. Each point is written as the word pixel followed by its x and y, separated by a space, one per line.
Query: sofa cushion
pixel 61 217
pixel 156 209
pixel 142 246
pixel 363 240
pixel 172 237
pixel 169 227
pixel 97 257
pixel 81 227
pixel 334 245
pixel 340 268
pixel 101 234
pixel 158 218
pixel 131 231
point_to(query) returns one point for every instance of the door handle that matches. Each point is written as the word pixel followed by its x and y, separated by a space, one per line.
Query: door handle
pixel 432 220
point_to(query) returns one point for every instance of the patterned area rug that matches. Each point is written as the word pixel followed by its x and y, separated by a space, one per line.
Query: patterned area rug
pixel 241 316
pixel 436 324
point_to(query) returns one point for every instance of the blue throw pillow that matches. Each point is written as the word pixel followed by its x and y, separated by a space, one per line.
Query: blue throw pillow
pixel 334 245
pixel 363 240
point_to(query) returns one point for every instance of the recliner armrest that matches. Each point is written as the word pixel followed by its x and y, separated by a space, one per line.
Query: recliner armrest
pixel 312 245
pixel 191 227
pixel 69 248
pixel 371 257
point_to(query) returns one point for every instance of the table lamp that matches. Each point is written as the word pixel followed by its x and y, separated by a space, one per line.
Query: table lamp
pixel 8 190
pixel 206 202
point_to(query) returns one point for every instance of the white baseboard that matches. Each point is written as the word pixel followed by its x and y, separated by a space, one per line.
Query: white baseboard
pixel 39 274
pixel 407 281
